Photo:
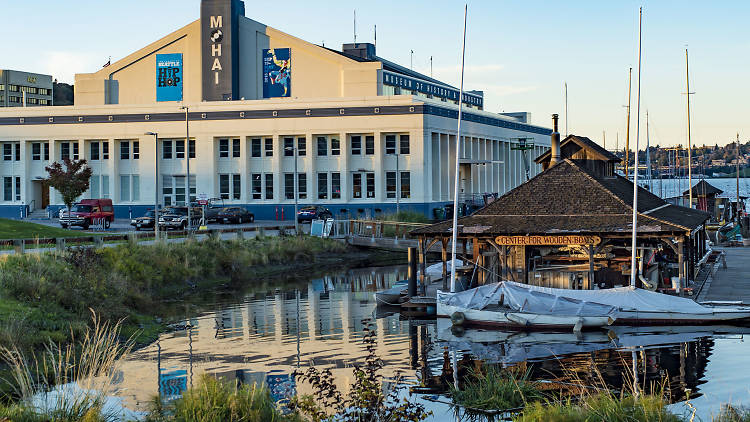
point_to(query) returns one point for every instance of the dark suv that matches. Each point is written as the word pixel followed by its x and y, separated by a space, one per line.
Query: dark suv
pixel 177 217
pixel 313 212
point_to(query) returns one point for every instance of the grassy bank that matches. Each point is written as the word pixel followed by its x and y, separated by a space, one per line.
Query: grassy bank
pixel 48 296
pixel 15 229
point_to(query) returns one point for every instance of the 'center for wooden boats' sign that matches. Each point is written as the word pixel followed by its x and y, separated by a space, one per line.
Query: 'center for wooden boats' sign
pixel 548 240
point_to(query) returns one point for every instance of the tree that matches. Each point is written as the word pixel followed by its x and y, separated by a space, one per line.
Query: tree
pixel 72 181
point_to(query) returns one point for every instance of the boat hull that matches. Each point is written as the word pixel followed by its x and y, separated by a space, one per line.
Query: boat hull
pixel 522 320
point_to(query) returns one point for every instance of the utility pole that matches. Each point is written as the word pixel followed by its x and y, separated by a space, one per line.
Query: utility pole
pixel 737 211
pixel 604 139
pixel 566 109
pixel 690 145
pixel 627 132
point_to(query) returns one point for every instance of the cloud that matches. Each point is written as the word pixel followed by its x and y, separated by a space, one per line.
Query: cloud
pixel 63 65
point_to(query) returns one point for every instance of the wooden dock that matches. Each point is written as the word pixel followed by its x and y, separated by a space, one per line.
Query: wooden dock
pixel 732 283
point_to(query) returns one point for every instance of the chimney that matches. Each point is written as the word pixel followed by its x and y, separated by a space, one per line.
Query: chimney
pixel 555 142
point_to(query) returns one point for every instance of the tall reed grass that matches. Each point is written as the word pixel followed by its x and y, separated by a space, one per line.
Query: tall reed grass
pixel 67 383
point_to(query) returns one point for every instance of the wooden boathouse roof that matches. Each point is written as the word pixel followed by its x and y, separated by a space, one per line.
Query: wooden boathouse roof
pixel 572 197
pixel 703 188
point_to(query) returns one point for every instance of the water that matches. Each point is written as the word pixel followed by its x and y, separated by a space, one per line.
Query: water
pixel 265 336
pixel 675 187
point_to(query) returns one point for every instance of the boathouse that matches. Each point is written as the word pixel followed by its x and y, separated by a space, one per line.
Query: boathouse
pixel 705 198
pixel 571 226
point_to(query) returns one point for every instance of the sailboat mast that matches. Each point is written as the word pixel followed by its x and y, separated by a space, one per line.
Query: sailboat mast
pixel 627 131
pixel 648 158
pixel 690 145
pixel 458 155
pixel 633 268
pixel 737 211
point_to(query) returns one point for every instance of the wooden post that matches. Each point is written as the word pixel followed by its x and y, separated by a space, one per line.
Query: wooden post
pixel 525 265
pixel 422 265
pixel 591 267
pixel 681 261
pixel 444 256
pixel 412 256
pixel 504 262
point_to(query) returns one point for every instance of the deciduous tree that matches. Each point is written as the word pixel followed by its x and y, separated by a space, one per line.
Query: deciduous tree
pixel 71 181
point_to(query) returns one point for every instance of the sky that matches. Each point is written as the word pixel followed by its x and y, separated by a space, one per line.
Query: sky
pixel 521 53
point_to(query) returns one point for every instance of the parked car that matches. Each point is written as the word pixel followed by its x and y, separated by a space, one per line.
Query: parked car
pixel 215 205
pixel 313 212
pixel 145 221
pixel 88 212
pixel 177 217
pixel 235 215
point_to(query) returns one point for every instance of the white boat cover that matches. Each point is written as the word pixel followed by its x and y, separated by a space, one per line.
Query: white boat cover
pixel 435 271
pixel 520 298
pixel 534 299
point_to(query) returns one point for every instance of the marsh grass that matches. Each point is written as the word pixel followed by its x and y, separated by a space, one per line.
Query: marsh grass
pixel 494 388
pixel 66 383
pixel 731 413
pixel 213 400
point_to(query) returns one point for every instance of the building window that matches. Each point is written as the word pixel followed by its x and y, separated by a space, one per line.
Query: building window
pixel 356 145
pixel 224 186
pixel 390 144
pixel 136 149
pixel 94 147
pixel 105 149
pixel 179 149
pixel 322 146
pixel 125 188
pixel 405 185
pixel 257 189
pixel 269 147
pixel 7 152
pixel 288 147
pixel 7 189
pixel 302 185
pixel 105 186
pixel 166 150
pixel 301 147
pixel 390 184
pixel 322 185
pixel 335 146
pixel 13 88
pixel 130 188
pixel 254 147
pixel 223 148
pixel 43 101
pixel 335 185
pixel 236 148
pixel 236 186
pixel 125 150
pixel 404 144
pixel 75 150
pixel 36 151
pixel 18 188
pixel 369 145
pixel 289 185
pixel 46 151
pixel 356 185
pixel 64 151
pixel 18 151
pixel 269 186
pixel 370 185
pixel 191 147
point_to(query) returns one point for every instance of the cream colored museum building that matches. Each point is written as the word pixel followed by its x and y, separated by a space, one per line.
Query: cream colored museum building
pixel 365 133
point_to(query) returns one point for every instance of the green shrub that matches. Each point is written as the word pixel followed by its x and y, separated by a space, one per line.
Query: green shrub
pixel 495 388
pixel 730 413
pixel 601 407
pixel 212 400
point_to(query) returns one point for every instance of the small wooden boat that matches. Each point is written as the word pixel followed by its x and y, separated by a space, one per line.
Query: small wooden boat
pixel 392 296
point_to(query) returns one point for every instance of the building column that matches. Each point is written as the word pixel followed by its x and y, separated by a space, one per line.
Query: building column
pixel 345 174
pixel 379 167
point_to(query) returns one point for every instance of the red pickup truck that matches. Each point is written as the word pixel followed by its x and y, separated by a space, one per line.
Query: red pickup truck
pixel 88 212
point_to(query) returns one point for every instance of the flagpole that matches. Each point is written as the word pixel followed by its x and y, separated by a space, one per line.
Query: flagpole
pixel 454 239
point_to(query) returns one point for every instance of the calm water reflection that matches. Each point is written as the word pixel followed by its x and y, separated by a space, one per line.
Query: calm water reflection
pixel 265 336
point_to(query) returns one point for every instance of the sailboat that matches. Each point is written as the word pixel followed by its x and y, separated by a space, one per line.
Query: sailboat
pixel 515 305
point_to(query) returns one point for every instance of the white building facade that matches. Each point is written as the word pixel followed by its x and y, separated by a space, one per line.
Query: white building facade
pixel 365 139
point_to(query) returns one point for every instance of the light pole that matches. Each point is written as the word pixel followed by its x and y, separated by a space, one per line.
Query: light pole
pixel 156 184
pixel 296 194
pixel 187 157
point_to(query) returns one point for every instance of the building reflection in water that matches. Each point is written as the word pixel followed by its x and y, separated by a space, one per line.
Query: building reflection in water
pixel 267 335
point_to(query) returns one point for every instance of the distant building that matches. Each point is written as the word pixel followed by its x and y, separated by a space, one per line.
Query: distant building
pixel 14 83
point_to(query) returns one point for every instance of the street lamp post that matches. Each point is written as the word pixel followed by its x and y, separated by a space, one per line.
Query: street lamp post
pixel 296 187
pixel 156 184
pixel 187 157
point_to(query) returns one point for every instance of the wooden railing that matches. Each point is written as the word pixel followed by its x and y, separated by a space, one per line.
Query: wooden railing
pixel 374 228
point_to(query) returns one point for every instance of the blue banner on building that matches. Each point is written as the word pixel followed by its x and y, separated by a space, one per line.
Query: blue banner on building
pixel 169 77
pixel 277 72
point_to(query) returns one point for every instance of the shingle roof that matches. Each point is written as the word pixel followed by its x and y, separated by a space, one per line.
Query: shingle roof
pixel 584 143
pixel 703 188
pixel 567 198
